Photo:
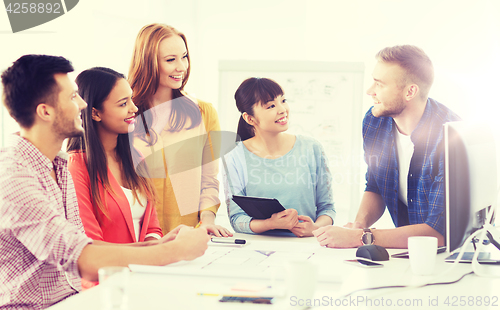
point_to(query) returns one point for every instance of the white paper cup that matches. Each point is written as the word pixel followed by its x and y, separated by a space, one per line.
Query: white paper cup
pixel 114 282
pixel 423 251
pixel 301 279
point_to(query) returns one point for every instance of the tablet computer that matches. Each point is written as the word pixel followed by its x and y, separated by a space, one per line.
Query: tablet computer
pixel 483 258
pixel 440 249
pixel 257 207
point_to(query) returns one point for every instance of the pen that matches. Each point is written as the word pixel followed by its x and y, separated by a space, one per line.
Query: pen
pixel 228 240
pixel 198 225
pixel 208 294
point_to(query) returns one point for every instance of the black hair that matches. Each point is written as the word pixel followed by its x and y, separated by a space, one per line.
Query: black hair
pixel 251 92
pixel 29 82
pixel 94 86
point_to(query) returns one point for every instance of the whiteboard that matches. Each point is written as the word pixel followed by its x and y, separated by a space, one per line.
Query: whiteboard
pixel 325 100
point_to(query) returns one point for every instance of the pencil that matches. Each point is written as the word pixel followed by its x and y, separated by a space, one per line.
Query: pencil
pixel 208 294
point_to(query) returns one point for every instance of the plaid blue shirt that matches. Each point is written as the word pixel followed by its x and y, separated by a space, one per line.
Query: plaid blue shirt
pixel 426 174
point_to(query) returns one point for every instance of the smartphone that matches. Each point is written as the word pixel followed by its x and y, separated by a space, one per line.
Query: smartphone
pixel 254 300
pixel 363 262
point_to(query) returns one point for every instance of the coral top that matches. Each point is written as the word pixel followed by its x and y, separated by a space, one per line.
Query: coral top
pixel 119 227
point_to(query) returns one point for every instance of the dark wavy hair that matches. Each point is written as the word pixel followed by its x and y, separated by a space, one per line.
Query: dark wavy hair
pixel 251 92
pixel 94 86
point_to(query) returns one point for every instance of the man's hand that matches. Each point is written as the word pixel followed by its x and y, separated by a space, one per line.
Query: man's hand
pixel 355 225
pixel 338 237
pixel 305 228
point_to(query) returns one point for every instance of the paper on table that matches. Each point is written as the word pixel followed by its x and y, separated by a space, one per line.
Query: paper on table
pixel 258 260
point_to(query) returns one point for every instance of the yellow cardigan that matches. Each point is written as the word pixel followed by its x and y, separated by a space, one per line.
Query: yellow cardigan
pixel 184 166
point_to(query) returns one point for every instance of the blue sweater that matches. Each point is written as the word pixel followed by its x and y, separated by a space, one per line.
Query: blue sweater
pixel 300 180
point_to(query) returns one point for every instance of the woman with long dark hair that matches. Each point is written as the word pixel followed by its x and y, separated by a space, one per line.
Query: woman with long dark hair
pixel 274 164
pixel 174 131
pixel 116 202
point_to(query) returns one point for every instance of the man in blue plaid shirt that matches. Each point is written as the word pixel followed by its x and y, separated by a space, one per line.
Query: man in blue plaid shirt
pixel 404 151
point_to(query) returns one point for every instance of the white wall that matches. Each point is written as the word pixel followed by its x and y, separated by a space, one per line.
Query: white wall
pixel 461 37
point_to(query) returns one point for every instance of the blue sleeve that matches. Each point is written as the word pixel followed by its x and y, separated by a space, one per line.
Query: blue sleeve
pixel 324 196
pixel 371 185
pixel 436 209
pixel 234 178
pixel 368 140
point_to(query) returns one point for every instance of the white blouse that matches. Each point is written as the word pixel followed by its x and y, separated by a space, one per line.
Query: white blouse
pixel 137 212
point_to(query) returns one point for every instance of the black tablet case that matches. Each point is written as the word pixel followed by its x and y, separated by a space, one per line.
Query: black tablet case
pixel 258 208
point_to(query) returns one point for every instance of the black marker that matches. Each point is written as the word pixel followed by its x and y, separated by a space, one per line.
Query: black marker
pixel 228 240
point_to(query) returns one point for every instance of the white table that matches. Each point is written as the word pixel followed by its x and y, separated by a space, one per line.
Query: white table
pixel 169 291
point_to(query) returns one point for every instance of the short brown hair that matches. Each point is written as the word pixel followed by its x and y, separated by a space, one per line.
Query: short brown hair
pixel 414 61
pixel 29 82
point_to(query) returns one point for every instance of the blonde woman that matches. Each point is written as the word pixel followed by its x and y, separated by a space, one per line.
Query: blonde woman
pixel 174 131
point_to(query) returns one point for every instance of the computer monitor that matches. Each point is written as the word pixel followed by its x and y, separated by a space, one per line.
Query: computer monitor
pixel 470 179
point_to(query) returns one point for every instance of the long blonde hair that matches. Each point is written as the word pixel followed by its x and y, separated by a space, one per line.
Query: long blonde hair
pixel 144 77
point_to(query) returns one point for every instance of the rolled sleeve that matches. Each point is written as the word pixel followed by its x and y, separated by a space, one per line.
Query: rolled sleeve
pixel 66 251
pixel 371 183
pixel 156 236
pixel 371 127
pixel 436 213
pixel 153 223
pixel 209 197
pixel 234 183
pixel 241 222
pixel 324 195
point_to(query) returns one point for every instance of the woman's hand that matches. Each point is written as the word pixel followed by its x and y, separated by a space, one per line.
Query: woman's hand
pixel 171 234
pixel 304 228
pixel 193 242
pixel 207 219
pixel 286 219
pixel 217 230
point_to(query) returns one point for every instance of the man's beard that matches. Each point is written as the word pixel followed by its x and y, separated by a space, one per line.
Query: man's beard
pixel 393 109
pixel 66 128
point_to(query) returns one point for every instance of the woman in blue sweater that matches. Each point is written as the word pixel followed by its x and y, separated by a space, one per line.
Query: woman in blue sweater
pixel 272 163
